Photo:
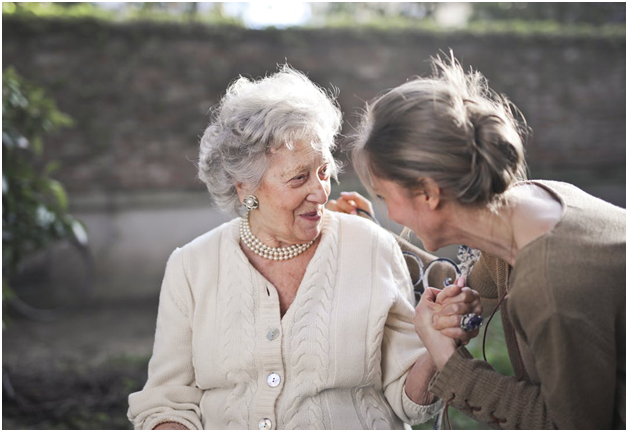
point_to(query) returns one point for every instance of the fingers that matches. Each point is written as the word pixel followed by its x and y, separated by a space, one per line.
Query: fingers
pixel 429 295
pixel 466 295
pixel 360 201
pixel 423 311
pixel 431 323
pixel 455 301
pixel 452 290
pixel 450 327
pixel 348 206
pixel 461 308
pixel 457 294
pixel 442 322
pixel 448 318
pixel 342 205
pixel 349 202
pixel 449 315
pixel 449 291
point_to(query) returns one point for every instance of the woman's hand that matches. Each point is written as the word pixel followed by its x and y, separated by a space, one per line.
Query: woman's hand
pixel 439 346
pixel 349 202
pixel 452 303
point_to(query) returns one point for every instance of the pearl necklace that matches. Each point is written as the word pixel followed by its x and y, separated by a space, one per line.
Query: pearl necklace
pixel 277 254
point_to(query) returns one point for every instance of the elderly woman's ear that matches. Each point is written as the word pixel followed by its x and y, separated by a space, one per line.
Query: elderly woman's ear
pixel 242 190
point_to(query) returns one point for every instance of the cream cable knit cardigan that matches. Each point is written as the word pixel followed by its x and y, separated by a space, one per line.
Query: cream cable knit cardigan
pixel 339 357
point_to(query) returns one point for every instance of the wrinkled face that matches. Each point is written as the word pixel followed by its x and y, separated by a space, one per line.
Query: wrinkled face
pixel 410 210
pixel 292 196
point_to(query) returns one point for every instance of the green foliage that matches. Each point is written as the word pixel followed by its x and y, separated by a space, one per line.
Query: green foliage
pixel 594 13
pixel 521 19
pixel 50 9
pixel 522 27
pixel 181 12
pixel 495 347
pixel 381 22
pixel 34 205
pixel 479 28
pixel 605 20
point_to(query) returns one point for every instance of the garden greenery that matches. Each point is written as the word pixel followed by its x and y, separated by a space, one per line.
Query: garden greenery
pixel 34 205
pixel 521 19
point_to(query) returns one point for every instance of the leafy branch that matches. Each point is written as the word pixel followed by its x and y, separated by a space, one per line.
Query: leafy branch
pixel 34 205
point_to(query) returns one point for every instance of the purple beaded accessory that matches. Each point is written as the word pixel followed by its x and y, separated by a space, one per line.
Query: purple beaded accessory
pixel 470 322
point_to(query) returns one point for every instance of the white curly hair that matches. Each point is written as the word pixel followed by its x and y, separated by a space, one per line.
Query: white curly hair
pixel 257 117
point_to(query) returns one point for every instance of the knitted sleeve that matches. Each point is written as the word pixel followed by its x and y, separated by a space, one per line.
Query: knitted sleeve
pixel 401 348
pixel 576 369
pixel 476 389
pixel 170 394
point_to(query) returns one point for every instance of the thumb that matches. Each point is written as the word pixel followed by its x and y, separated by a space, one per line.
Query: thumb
pixel 461 281
pixel 430 294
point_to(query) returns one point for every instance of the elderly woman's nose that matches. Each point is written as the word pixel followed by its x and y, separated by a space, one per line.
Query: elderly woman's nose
pixel 319 191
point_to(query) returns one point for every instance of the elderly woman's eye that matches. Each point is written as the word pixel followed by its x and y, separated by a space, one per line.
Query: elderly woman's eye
pixel 300 177
pixel 324 172
pixel 381 197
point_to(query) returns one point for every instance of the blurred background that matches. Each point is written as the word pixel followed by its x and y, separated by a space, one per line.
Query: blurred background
pixel 103 107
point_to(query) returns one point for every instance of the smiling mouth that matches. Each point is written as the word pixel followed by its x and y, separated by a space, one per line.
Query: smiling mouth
pixel 314 215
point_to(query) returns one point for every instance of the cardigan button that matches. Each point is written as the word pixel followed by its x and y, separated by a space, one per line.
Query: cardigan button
pixel 272 334
pixel 265 424
pixel 273 380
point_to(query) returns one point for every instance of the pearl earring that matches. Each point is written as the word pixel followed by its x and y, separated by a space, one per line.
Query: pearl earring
pixel 250 202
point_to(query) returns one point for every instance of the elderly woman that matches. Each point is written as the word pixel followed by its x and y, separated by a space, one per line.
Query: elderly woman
pixel 446 155
pixel 290 316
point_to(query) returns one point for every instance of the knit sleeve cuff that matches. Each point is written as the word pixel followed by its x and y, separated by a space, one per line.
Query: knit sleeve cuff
pixel 419 413
pixel 152 423
pixel 456 369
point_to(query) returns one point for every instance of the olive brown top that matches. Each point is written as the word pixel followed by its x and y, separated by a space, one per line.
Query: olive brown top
pixel 564 318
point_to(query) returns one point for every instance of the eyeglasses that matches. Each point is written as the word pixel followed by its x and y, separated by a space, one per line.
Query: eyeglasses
pixel 450 272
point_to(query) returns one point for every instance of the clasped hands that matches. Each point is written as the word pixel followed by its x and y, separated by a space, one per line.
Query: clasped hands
pixel 438 315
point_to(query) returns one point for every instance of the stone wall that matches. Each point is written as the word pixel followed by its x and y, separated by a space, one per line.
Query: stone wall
pixel 140 95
